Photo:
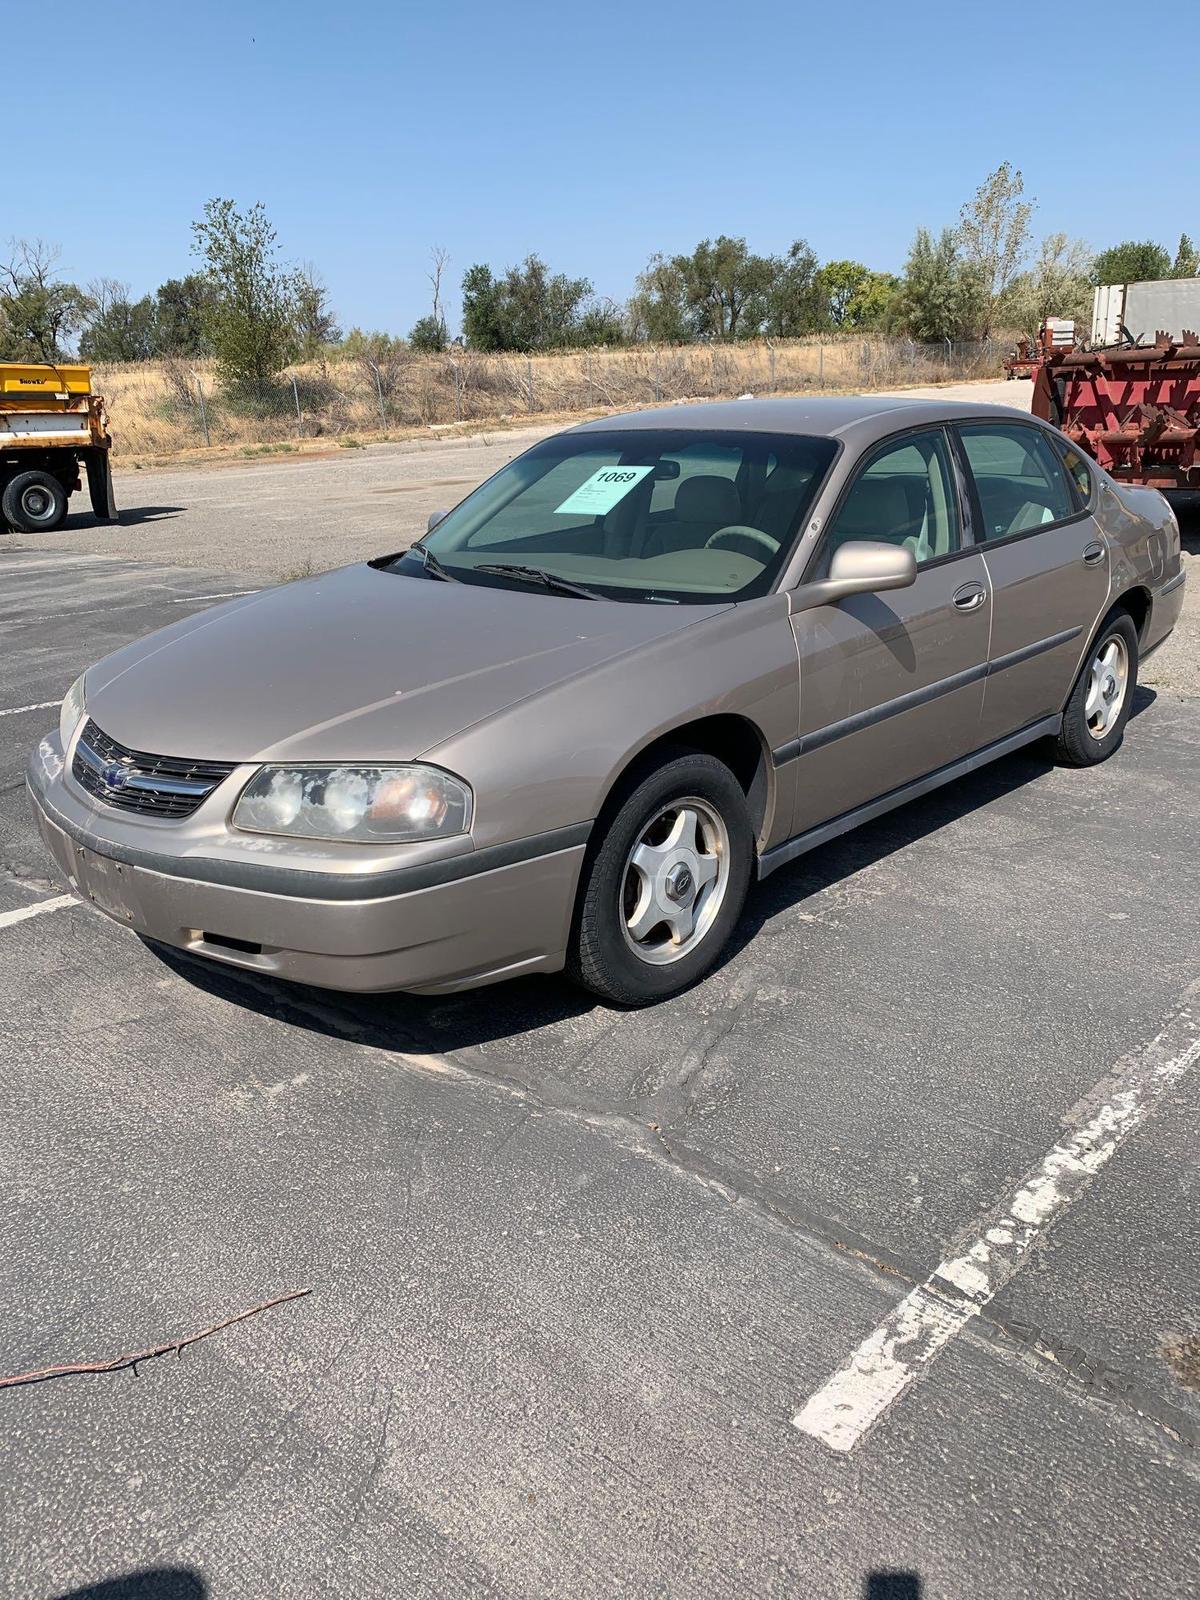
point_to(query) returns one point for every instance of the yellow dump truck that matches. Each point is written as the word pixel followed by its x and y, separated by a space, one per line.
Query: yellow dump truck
pixel 53 430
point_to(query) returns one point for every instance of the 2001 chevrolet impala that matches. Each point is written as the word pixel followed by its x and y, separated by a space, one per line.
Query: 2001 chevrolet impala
pixel 651 658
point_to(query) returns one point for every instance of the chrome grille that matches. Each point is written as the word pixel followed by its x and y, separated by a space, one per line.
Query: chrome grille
pixel 131 780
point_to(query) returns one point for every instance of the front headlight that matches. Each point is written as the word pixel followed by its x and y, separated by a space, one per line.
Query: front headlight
pixel 370 805
pixel 72 711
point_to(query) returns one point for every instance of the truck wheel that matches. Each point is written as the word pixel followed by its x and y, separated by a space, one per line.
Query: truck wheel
pixel 34 502
pixel 666 884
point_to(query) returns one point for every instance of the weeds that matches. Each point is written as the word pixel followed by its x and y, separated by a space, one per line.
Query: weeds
pixel 387 389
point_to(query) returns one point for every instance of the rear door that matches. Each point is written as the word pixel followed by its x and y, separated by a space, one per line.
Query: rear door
pixel 891 685
pixel 1047 566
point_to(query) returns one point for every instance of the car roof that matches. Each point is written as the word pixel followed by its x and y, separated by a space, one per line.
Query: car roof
pixel 857 418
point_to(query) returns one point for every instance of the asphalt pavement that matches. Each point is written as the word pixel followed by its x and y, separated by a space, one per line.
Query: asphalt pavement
pixel 577 1273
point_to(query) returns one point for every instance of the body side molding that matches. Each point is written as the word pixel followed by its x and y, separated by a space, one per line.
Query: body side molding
pixel 917 697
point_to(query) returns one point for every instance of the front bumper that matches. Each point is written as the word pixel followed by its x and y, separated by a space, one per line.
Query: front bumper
pixel 482 923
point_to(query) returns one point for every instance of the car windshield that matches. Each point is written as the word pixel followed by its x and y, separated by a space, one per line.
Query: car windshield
pixel 642 515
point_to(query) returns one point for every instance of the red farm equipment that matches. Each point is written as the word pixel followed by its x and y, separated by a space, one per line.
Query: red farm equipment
pixel 1023 361
pixel 1135 408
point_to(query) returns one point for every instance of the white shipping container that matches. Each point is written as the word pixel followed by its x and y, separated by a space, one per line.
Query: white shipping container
pixel 1143 308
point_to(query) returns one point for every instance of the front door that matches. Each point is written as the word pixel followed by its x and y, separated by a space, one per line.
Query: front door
pixel 1047 565
pixel 891 685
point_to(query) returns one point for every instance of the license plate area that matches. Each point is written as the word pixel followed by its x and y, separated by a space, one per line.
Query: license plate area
pixel 106 883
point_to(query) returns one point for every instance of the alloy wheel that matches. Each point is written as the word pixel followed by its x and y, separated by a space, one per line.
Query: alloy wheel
pixel 1108 680
pixel 674 881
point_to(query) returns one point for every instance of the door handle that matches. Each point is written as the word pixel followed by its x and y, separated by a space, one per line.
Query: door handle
pixel 1093 554
pixel 970 597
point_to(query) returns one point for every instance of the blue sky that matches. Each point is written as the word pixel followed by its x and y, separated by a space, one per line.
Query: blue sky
pixel 593 135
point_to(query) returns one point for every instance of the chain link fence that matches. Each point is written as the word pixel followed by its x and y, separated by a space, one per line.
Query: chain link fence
pixel 167 406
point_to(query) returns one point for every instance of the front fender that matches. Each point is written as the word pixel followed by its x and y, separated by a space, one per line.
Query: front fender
pixel 552 759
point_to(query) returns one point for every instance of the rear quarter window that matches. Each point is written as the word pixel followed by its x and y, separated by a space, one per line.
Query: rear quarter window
pixel 1079 471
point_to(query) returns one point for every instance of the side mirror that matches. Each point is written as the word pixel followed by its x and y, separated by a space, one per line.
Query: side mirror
pixel 863 566
pixel 434 518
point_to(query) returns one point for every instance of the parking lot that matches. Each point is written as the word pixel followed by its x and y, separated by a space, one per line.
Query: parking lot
pixel 607 1302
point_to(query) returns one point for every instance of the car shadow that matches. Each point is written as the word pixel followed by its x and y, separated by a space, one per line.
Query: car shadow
pixel 418 1024
pixel 892 1585
pixel 152 1583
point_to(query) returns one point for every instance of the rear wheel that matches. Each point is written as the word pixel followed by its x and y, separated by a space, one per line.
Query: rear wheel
pixel 34 502
pixel 666 884
pixel 1096 714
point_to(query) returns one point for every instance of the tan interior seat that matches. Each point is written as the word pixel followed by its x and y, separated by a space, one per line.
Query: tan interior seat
pixel 877 509
pixel 703 504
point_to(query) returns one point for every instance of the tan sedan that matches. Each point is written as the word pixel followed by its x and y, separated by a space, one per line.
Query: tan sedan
pixel 652 659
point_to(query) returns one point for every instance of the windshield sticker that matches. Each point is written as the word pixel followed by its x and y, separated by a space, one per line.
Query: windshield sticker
pixel 600 492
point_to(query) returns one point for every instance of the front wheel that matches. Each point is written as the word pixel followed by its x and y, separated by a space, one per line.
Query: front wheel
pixel 34 502
pixel 1096 714
pixel 666 884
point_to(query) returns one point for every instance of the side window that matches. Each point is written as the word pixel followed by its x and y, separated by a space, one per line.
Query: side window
pixel 1021 483
pixel 904 495
pixel 1080 473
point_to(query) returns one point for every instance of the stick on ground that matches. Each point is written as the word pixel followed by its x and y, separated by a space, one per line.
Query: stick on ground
pixel 131 1357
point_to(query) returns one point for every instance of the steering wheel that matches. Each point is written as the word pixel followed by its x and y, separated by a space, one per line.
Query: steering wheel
pixel 738 530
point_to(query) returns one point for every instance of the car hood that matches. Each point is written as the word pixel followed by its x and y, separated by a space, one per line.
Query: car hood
pixel 358 664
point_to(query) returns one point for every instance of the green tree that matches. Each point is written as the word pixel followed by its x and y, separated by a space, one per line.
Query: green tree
pixel 872 303
pixel 1131 262
pixel 658 311
pixel 993 237
pixel 725 288
pixel 1187 259
pixel 119 329
pixel 358 345
pixel 853 296
pixel 428 334
pixel 530 308
pixel 316 321
pixel 182 312
pixel 1057 285
pixel 793 302
pixel 543 308
pixel 252 315
pixel 838 282
pixel 39 314
pixel 482 314
pixel 939 298
pixel 600 322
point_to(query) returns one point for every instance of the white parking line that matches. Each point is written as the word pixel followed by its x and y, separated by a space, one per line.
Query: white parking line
pixel 40 705
pixel 8 918
pixel 905 1343
pixel 229 594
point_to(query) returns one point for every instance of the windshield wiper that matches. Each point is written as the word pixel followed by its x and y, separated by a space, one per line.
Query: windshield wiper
pixel 548 580
pixel 431 563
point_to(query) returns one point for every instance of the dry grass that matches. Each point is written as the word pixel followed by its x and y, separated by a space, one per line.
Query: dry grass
pixel 155 407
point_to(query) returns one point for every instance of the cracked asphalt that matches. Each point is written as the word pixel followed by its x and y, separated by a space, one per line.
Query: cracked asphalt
pixel 573 1270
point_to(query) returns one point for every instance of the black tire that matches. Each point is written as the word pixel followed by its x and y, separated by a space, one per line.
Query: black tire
pixel 601 958
pixel 1078 744
pixel 34 502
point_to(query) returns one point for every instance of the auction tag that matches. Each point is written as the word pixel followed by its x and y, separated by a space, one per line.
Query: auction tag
pixel 600 492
